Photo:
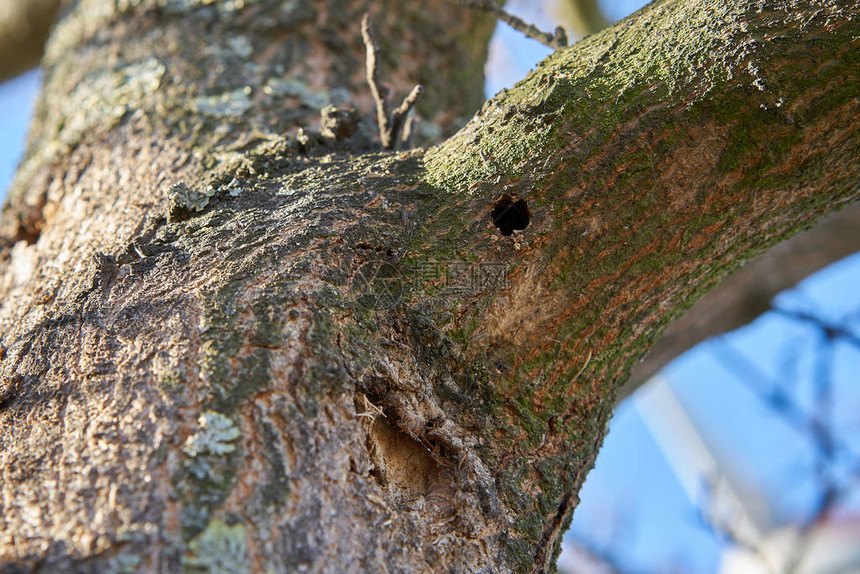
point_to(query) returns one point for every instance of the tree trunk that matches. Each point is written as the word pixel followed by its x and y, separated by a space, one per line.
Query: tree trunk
pixel 229 348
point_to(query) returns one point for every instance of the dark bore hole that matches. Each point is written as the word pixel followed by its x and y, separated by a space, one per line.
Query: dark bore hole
pixel 510 214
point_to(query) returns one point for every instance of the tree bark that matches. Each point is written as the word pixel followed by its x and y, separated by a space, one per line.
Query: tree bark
pixel 227 348
pixel 749 292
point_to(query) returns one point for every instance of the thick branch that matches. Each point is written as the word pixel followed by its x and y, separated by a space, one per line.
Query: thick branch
pixel 748 293
pixel 671 154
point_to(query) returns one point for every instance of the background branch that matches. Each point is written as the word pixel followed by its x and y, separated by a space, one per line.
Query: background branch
pixel 555 41
pixel 24 27
pixel 583 17
pixel 389 123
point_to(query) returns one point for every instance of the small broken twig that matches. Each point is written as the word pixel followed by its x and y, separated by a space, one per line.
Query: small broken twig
pixel 555 41
pixel 399 116
pixel 390 124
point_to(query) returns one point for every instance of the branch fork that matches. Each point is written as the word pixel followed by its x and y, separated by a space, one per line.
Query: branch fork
pixel 390 123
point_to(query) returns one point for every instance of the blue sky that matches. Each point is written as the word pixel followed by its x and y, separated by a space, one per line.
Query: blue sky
pixel 17 97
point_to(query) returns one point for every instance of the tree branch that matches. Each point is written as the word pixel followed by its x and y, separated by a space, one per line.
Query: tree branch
pixel 706 177
pixel 748 293
pixel 584 17
pixel 389 124
pixel 24 27
pixel 379 91
pixel 556 40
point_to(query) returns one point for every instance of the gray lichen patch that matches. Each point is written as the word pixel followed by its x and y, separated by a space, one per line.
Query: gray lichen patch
pixel 124 564
pixel 208 472
pixel 290 12
pixel 89 16
pixel 234 188
pixel 297 89
pixel 225 7
pixel 232 104
pixel 241 46
pixel 182 200
pixel 100 102
pixel 220 549
pixel 214 437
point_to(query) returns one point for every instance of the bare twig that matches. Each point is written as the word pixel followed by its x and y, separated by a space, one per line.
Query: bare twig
pixel 399 115
pixel 380 92
pixel 389 124
pixel 555 41
pixel 831 330
pixel 829 448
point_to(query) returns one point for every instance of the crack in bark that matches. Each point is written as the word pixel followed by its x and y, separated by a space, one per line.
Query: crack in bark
pixel 417 415
pixel 544 557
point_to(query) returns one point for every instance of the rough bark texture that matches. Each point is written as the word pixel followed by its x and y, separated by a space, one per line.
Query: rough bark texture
pixel 749 292
pixel 229 350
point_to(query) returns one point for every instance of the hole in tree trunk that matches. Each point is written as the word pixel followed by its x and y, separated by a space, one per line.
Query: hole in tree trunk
pixel 510 214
